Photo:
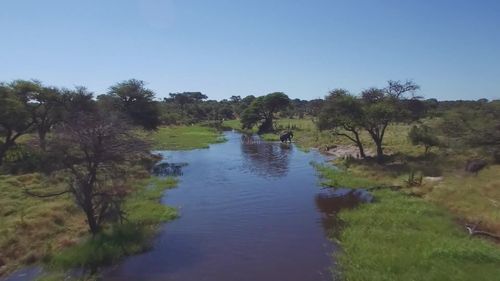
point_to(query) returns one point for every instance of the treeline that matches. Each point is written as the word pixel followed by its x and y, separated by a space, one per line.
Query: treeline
pixel 195 107
pixel 30 107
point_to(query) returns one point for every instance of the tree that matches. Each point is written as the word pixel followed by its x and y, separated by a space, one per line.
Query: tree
pixel 314 107
pixel 93 150
pixel 16 113
pixel 262 110
pixel 77 102
pixel 184 98
pixel 243 104
pixel 473 124
pixel 137 102
pixel 382 107
pixel 423 135
pixel 342 114
pixel 48 111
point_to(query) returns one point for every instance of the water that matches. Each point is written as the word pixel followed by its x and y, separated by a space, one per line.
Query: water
pixel 250 210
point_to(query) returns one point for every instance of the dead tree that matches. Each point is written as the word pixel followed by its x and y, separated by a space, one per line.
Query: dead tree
pixel 473 230
pixel 93 149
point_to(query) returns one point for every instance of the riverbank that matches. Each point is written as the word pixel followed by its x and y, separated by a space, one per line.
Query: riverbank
pixel 419 229
pixel 403 237
pixel 470 198
pixel 54 231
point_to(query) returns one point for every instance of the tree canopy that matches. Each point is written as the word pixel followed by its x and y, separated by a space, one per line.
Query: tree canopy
pixel 262 111
pixel 137 102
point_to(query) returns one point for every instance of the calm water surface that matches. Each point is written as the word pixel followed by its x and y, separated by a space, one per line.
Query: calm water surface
pixel 250 210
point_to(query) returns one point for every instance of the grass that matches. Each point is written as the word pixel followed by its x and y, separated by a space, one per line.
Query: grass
pixel 405 238
pixel 337 178
pixel 144 213
pixel 33 228
pixel 419 237
pixel 54 231
pixel 471 198
pixel 185 137
pixel 400 237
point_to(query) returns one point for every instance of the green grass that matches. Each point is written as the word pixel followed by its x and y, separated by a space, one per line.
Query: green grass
pixel 144 212
pixel 471 198
pixel 399 237
pixel 405 238
pixel 33 228
pixel 338 178
pixel 185 137
pixel 54 230
pixel 233 124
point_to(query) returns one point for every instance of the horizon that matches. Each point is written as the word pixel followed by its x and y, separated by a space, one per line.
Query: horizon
pixel 225 48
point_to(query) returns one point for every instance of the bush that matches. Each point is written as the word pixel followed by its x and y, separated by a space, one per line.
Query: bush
pixel 22 159
pixel 423 135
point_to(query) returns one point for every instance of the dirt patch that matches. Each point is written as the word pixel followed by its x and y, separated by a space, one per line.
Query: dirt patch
pixel 345 151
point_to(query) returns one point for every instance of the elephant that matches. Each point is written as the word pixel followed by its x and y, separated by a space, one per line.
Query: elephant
pixel 474 166
pixel 286 137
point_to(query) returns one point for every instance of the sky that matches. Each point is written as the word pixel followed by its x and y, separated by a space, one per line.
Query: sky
pixel 451 48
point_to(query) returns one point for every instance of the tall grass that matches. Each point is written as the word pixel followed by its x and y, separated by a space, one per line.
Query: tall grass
pixel 144 212
pixel 405 238
pixel 185 137
pixel 400 237
pixel 33 228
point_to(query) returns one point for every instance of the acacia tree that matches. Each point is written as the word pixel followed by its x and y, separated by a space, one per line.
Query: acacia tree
pixel 48 111
pixel 342 114
pixel 16 113
pixel 262 111
pixel 137 102
pixel 93 149
pixel 382 107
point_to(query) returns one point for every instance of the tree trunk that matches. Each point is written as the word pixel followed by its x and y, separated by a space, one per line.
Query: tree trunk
pixel 3 150
pixel 427 149
pixel 380 152
pixel 360 146
pixel 41 137
pixel 89 213
pixel 266 126
pixel 2 155
pixel 93 226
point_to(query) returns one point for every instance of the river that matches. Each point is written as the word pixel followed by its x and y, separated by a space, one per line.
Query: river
pixel 249 210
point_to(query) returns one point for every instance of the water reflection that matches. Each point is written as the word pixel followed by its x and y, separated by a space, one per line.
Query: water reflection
pixel 266 159
pixel 331 201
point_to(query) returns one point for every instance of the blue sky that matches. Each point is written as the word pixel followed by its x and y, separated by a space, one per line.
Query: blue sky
pixel 234 47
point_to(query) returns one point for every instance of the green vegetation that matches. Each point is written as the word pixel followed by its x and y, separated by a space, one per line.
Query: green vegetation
pixel 402 237
pixel 471 198
pixel 337 178
pixel 34 228
pixel 53 230
pixel 261 111
pixel 185 137
pixel 144 212
pixel 405 238
pixel 64 154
